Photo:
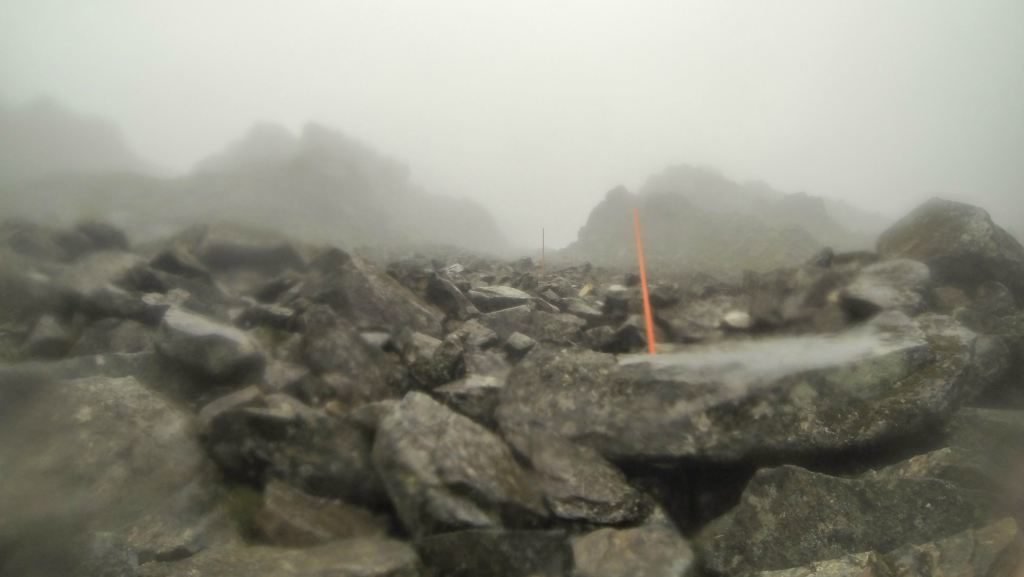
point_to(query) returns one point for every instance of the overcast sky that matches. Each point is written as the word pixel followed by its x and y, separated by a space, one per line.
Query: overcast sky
pixel 537 107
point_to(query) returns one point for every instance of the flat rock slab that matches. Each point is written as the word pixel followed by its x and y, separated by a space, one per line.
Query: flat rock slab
pixel 349 558
pixel 773 397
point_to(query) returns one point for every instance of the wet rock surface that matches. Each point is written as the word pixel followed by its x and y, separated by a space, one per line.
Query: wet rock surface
pixel 232 402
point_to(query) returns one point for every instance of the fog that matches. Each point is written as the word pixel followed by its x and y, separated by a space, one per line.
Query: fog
pixel 536 109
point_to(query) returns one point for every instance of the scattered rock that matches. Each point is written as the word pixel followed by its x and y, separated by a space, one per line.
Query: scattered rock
pixel 518 344
pixel 475 396
pixel 48 339
pixel 444 472
pixel 559 329
pixel 214 350
pixel 578 484
pixel 275 436
pixel 497 553
pixel 373 557
pixel 889 285
pixel 496 298
pixel 292 518
pixel 652 550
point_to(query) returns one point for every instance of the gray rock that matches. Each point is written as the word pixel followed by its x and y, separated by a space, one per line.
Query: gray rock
pixel 331 345
pixel 518 344
pixel 102 455
pixel 561 329
pixel 582 309
pixel 443 294
pixel 216 351
pixel 475 396
pixel 225 246
pixel 444 472
pixel 497 553
pixel 789 517
pixel 991 550
pixel 496 298
pixel 292 518
pixel 113 336
pixel 373 557
pixel 366 297
pixel 652 550
pixel 889 285
pixel 578 484
pixel 431 362
pixel 256 439
pixel 48 339
pixel 476 335
pixel 959 243
pixel 96 285
pixel 26 291
pixel 779 396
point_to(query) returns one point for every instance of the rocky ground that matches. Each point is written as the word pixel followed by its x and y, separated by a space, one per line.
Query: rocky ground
pixel 233 403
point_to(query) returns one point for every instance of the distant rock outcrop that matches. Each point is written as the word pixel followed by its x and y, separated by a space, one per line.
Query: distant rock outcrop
pixel 43 139
pixel 696 218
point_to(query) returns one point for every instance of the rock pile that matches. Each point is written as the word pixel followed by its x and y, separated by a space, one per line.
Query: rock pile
pixel 230 402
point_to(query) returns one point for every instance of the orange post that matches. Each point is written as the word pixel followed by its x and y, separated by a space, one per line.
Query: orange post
pixel 648 319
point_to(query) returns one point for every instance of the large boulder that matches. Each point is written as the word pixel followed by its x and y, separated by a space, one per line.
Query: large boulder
pixel 775 397
pixel 959 243
pixel 445 472
pixel 542 326
pixel 99 456
pixel 370 557
pixel 214 350
pixel 789 517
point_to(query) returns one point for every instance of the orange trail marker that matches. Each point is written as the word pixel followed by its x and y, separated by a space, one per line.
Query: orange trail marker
pixel 648 319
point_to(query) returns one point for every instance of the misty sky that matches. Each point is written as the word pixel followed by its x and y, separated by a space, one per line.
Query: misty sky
pixel 537 107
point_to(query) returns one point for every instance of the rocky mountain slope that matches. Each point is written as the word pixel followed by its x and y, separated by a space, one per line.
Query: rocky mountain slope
pixel 319 185
pixel 231 402
pixel 696 218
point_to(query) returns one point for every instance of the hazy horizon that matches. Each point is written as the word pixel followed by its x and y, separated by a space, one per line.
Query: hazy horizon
pixel 536 110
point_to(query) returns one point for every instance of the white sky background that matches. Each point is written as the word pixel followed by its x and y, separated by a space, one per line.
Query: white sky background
pixel 536 108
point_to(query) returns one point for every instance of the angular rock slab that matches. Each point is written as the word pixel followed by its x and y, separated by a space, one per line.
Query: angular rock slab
pixel 445 472
pixel 789 517
pixel 993 551
pixel 216 350
pixel 893 284
pixel 771 397
pixel 102 455
pixel 578 484
pixel 349 558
